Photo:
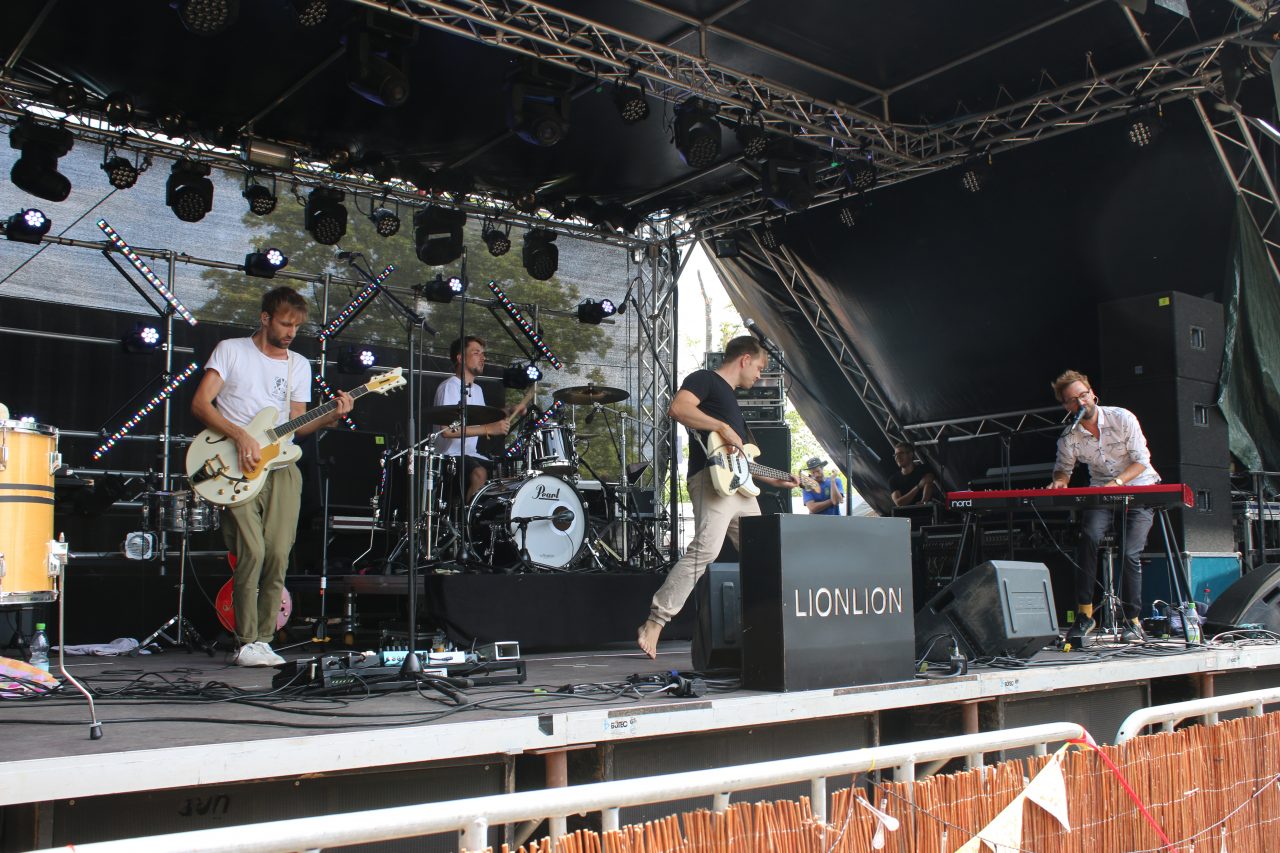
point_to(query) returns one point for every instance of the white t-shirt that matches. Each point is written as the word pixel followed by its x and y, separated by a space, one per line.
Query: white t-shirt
pixel 252 381
pixel 448 393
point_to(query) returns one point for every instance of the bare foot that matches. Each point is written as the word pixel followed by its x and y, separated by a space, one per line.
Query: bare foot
pixel 647 637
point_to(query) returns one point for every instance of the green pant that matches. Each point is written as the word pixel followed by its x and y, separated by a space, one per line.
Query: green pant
pixel 260 533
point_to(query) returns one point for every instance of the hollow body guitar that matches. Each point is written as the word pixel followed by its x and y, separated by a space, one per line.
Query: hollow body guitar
pixel 732 472
pixel 213 465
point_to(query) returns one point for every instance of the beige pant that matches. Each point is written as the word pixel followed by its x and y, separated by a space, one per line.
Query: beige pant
pixel 714 516
pixel 260 533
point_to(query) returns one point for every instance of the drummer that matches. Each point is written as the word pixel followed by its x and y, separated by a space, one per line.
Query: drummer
pixel 467 355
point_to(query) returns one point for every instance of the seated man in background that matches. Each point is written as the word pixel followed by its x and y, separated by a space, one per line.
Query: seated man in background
pixel 912 484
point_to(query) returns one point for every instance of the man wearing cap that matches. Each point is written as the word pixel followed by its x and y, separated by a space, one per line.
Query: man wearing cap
pixel 826 498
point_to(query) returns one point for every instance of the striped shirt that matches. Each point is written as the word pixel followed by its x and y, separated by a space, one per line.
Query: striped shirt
pixel 1120 443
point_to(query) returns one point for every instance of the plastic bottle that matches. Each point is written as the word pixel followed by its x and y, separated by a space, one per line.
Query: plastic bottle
pixel 1206 598
pixel 40 648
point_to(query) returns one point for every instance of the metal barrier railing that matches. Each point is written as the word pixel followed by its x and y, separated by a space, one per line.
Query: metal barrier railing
pixel 1169 716
pixel 473 817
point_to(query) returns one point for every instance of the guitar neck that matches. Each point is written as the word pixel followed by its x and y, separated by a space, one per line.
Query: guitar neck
pixel 766 471
pixel 290 427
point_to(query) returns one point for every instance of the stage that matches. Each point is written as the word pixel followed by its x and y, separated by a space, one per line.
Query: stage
pixel 187 756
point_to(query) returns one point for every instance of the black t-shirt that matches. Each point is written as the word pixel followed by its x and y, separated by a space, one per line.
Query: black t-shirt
pixel 901 483
pixel 716 398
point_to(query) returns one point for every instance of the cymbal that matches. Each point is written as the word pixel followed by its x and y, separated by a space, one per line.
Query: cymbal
pixel 587 395
pixel 476 415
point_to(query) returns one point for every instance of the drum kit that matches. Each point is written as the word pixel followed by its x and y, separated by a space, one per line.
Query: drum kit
pixel 30 557
pixel 531 514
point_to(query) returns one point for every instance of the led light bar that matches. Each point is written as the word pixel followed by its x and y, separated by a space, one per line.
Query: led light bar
pixel 525 326
pixel 141 266
pixel 162 395
pixel 517 447
pixel 328 393
pixel 355 306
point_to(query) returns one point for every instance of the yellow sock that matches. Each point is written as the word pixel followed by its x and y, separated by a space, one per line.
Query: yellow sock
pixel 1086 610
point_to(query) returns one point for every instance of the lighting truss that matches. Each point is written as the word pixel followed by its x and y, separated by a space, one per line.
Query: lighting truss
pixel 356 305
pixel 163 394
pixel 327 392
pixel 524 325
pixel 516 447
pixel 141 266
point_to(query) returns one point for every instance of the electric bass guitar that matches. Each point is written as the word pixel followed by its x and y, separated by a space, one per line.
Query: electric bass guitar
pixel 213 464
pixel 732 472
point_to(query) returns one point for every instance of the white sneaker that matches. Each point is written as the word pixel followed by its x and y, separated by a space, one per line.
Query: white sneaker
pixel 269 655
pixel 251 654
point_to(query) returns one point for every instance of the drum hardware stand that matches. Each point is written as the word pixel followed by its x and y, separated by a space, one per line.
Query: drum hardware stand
pixel 321 633
pixel 1111 612
pixel 59 556
pixel 185 634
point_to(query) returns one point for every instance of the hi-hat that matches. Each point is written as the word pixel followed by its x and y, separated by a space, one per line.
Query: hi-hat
pixel 588 395
pixel 476 415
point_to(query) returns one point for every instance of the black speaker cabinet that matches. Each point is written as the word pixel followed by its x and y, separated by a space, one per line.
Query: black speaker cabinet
pixel 1003 608
pixel 1252 600
pixel 826 601
pixel 775 451
pixel 1179 417
pixel 717 637
pixel 1163 335
pixel 1207 528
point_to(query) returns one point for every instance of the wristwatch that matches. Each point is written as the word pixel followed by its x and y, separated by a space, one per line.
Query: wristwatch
pixel 1118 481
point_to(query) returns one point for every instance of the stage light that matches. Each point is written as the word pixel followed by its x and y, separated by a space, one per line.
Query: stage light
pixel 593 311
pixel 142 340
pixel 325 216
pixel 789 184
pixel 526 202
pixel 848 213
pixel 861 174
pixel 538 104
pixel 262 201
pixel 385 222
pixel 378 66
pixel 163 394
pixel 498 241
pixel 27 226
pixel 118 108
pixel 311 13
pixel 726 246
pixel 520 375
pixel 437 235
pixel 1144 126
pixel 752 139
pixel 974 175
pixel 173 124
pixel 265 264
pixel 68 96
pixel 189 192
pixel 517 317
pixel 631 103
pixel 120 172
pixel 36 171
pixel 769 237
pixel 357 304
pixel 207 17
pixel 619 218
pixel 697 133
pixel 540 256
pixel 356 359
pixel 442 290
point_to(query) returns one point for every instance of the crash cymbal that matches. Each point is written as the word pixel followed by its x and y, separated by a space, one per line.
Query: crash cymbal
pixel 476 415
pixel 587 395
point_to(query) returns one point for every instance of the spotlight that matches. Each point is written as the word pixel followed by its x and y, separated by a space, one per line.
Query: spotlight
pixel 173 124
pixel 726 246
pixel 1145 126
pixel 68 97
pixel 325 216
pixel 27 226
pixel 973 175
pixel 437 235
pixel 265 264
pixel 526 202
pixel 538 104
pixel 143 339
pixel 262 201
pixel 499 242
pixel 356 359
pixel 207 17
pixel 630 101
pixel 441 290
pixel 379 59
pixel 120 172
pixel 593 311
pixel 769 237
pixel 311 13
pixel 520 375
pixel 385 222
pixel 697 133
pixel 848 214
pixel 36 171
pixel 861 174
pixel 618 217
pixel 789 184
pixel 540 255
pixel 189 192
pixel 585 207
pixel 118 108
pixel 752 139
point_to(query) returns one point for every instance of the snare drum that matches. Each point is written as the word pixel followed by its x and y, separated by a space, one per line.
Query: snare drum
pixel 28 459
pixel 498 532
pixel 550 449
pixel 179 512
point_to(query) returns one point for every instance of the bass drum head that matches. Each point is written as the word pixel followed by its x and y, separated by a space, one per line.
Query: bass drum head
pixel 551 543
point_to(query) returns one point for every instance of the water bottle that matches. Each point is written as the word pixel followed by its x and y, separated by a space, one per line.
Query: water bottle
pixel 1206 598
pixel 40 648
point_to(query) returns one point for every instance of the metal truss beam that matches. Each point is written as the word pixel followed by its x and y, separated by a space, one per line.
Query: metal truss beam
pixel 655 308
pixel 1045 419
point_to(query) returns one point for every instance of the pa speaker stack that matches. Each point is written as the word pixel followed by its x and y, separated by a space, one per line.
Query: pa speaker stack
pixel 1161 355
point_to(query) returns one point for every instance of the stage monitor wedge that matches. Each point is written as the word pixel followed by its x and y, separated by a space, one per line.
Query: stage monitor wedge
pixel 1252 600
pixel 1002 608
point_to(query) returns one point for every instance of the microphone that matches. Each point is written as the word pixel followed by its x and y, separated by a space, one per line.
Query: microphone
pixel 1074 420
pixel 562 515
pixel 622 306
pixel 592 416
pixel 755 330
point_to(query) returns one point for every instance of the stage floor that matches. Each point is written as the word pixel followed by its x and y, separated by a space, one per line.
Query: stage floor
pixel 184 730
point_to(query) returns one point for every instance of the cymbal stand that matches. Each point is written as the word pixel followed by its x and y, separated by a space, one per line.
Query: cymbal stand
pixel 185 634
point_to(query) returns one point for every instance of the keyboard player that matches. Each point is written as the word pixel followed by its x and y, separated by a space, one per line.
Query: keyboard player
pixel 1109 440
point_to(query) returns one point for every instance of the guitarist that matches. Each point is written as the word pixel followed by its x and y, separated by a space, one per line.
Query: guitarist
pixel 706 403
pixel 242 377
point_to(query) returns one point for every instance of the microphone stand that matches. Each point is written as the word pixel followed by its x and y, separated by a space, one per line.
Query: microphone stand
pixel 412 667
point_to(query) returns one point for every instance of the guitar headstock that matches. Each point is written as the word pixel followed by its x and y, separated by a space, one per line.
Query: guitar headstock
pixel 385 383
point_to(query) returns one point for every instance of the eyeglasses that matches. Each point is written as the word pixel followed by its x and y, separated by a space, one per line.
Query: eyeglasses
pixel 1078 398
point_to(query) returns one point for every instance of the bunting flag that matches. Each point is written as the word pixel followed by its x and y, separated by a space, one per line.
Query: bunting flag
pixel 1048 789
